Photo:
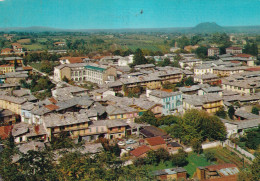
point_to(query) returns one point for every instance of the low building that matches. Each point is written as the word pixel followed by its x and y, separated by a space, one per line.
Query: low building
pixel 234 50
pixel 210 90
pixel 190 63
pixel 173 146
pixel 6 68
pixel 227 71
pixel 5 132
pixel 213 52
pixel 7 51
pixel 7 117
pixel 12 60
pixel 151 131
pixel 125 61
pixel 17 47
pixel 203 69
pixel 23 132
pixel 177 173
pixel 59 44
pixel 171 101
pixel 156 143
pixel 210 79
pixel 222 172
pixel 210 103
pixel 140 152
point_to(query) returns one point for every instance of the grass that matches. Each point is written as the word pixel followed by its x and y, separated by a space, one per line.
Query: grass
pixel 34 47
pixel 195 161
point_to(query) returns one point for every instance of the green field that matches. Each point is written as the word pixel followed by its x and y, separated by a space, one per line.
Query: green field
pixel 195 161
pixel 34 47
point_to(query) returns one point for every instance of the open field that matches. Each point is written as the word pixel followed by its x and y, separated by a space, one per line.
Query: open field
pixel 34 47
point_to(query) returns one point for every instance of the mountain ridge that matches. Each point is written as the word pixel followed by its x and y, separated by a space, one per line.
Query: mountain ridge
pixel 205 27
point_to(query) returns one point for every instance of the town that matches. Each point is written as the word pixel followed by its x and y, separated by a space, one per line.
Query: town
pixel 187 113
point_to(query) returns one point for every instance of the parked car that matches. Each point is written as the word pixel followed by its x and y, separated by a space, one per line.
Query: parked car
pixel 129 148
pixel 121 143
pixel 130 141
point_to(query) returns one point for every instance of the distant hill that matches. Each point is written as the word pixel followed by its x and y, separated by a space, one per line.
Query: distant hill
pixel 207 27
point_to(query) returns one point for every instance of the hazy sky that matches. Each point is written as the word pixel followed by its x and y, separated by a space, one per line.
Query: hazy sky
pixel 99 14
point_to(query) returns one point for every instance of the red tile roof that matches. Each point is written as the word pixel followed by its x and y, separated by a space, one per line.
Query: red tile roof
pixel 27 68
pixel 253 69
pixel 243 55
pixel 7 50
pixel 221 166
pixel 5 131
pixel 6 65
pixel 155 141
pixel 140 151
pixel 234 48
pixel 52 107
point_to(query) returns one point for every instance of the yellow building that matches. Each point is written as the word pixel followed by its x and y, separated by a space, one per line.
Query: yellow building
pixel 11 103
pixel 7 68
pixel 210 103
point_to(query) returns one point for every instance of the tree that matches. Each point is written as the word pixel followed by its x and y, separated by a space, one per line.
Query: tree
pixel 255 110
pixel 183 41
pixel 221 113
pixel 147 117
pixel 46 66
pixel 202 52
pixel 210 156
pixel 231 112
pixel 166 62
pixel 196 145
pixel 139 57
pixel 195 39
pixel 180 159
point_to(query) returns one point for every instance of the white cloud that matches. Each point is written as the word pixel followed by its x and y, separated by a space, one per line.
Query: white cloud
pixel 2 0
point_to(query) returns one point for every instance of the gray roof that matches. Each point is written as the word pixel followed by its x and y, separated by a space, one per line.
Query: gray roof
pixel 11 58
pixel 246 115
pixel 212 89
pixel 169 171
pixel 200 100
pixel 163 94
pixel 28 129
pixel 54 120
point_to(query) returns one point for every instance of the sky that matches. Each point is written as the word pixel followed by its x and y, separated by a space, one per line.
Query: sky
pixel 114 14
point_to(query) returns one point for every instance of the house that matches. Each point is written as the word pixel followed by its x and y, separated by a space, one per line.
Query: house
pixel 210 90
pixel 23 132
pixel 109 129
pixel 234 50
pixel 177 173
pixel 173 146
pixel 213 52
pixel 59 43
pixel 6 68
pixel 15 77
pixel 74 124
pixel 7 117
pixel 155 143
pixel 7 51
pixel 102 93
pixel 210 102
pixel 210 79
pixel 240 86
pixel 203 69
pixel 227 71
pixel 238 128
pixel 243 115
pixel 190 63
pixel 222 172
pixel 12 60
pixel 171 101
pixel 145 67
pixel 140 152
pixel 17 47
pixel 12 103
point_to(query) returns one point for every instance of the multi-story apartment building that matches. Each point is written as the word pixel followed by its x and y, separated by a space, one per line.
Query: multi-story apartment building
pixel 234 50
pixel 210 103
pixel 80 72
pixel 213 52
pixel 171 101
pixel 6 68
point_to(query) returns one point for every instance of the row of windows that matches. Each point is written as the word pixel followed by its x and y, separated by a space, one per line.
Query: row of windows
pixel 172 98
